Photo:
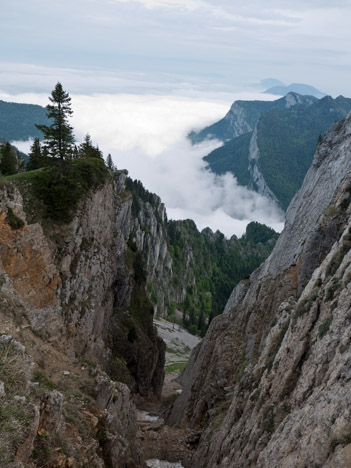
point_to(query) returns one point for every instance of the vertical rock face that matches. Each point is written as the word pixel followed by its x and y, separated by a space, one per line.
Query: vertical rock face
pixel 269 384
pixel 257 181
pixel 75 293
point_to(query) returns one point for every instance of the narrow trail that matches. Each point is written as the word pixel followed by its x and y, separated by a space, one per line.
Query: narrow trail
pixel 165 446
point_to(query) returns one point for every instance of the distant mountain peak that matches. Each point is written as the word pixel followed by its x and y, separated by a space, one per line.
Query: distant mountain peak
pixel 299 88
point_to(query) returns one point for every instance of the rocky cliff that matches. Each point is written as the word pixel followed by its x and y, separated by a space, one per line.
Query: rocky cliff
pixel 73 296
pixel 77 300
pixel 270 383
pixel 190 274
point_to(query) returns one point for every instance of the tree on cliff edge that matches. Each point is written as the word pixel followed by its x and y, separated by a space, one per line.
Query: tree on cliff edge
pixel 58 136
pixel 8 159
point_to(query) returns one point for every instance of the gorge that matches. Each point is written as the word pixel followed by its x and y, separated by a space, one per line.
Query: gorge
pixel 267 386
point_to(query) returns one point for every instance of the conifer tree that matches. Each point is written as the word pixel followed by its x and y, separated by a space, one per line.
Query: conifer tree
pixel 109 163
pixel 35 156
pixel 8 159
pixel 88 150
pixel 58 136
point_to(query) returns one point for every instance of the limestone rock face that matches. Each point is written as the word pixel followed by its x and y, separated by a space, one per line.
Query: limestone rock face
pixel 75 295
pixel 237 120
pixel 269 385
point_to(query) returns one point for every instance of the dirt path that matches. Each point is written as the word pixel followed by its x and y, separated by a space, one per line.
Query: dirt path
pixel 164 446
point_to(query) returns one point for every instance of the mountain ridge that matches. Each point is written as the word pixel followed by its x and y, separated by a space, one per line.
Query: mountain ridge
pixel 243 116
pixel 284 139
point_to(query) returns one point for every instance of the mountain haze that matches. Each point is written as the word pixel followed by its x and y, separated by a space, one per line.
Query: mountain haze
pixel 299 88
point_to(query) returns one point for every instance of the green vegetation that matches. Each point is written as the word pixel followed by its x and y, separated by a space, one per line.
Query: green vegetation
pixel 220 265
pixel 38 157
pixel 259 233
pixel 224 130
pixel 139 193
pixel 335 285
pixel 60 187
pixel 324 328
pixel 44 382
pixel 336 261
pixel 341 440
pixel 59 174
pixel 14 221
pixel 206 263
pixel 8 159
pixel 17 120
pixel 232 157
pixel 305 306
pixel 58 136
pixel 175 367
pixel 15 415
pixel 286 138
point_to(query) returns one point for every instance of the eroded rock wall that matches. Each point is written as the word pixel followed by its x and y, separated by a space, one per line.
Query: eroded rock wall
pixel 269 385
pixel 68 293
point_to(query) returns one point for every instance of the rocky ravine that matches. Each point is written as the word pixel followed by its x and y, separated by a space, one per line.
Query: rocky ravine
pixel 80 297
pixel 270 384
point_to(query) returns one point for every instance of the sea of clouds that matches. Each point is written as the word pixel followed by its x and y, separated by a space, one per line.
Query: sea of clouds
pixel 147 135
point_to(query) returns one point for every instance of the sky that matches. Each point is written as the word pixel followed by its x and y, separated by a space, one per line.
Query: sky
pixel 225 43
pixel 142 73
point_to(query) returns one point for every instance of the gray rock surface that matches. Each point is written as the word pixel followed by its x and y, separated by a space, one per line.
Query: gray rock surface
pixel 269 384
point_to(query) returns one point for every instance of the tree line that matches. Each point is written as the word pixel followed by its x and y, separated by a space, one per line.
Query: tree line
pixel 59 141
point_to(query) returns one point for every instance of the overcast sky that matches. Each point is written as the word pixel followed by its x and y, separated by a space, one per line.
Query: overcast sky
pixel 213 44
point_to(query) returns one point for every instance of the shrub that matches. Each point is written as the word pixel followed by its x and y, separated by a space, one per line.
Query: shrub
pixel 61 186
pixel 324 328
pixel 14 221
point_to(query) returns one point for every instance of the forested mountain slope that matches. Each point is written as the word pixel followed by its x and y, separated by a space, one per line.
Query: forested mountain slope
pixel 274 158
pixel 243 116
pixel 17 121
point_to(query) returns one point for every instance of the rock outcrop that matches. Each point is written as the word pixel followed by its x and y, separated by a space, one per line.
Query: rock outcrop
pixel 68 293
pixel 269 385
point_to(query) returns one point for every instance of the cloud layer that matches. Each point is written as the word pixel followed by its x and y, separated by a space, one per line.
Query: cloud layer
pixel 147 136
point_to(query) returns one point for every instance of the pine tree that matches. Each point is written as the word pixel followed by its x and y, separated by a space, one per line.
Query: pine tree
pixel 8 162
pixel 88 150
pixel 35 156
pixel 109 163
pixel 58 136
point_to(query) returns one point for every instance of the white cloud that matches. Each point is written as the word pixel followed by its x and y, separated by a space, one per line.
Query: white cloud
pixel 190 5
pixel 150 122
pixel 188 190
pixel 23 146
pixel 146 134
